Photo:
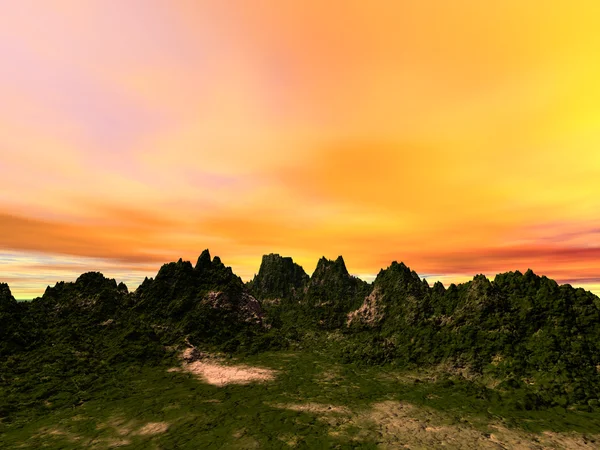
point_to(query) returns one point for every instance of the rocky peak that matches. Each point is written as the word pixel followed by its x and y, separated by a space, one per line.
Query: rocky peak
pixel 330 271
pixel 204 261
pixel 6 297
pixel 398 278
pixel 480 297
pixel 399 298
pixel 278 277
pixel 94 282
pixel 217 262
pixel 438 287
pixel 176 270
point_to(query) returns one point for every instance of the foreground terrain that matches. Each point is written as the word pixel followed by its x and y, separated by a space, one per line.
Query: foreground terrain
pixel 299 399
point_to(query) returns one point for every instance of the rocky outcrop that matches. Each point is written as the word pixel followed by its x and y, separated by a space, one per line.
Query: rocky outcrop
pixel 399 296
pixel 244 306
pixel 370 313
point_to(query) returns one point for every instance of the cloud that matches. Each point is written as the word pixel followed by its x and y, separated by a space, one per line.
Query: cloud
pixel 306 129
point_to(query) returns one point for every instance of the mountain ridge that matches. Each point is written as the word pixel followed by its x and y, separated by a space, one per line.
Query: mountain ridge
pixel 539 340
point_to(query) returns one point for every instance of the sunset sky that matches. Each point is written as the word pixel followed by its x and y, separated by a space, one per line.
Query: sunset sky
pixel 460 137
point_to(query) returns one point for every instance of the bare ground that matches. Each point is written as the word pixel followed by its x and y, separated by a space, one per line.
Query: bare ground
pixel 116 432
pixel 396 425
pixel 219 374
pixel 213 370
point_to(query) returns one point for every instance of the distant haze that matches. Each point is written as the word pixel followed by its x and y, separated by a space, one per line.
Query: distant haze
pixel 459 137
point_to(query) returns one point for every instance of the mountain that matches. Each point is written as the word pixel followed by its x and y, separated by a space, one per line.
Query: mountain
pixel 278 278
pixel 332 293
pixel 205 303
pixel 398 297
pixel 293 298
pixel 13 331
pixel 522 331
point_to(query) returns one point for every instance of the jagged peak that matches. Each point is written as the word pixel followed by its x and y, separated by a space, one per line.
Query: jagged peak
pixel 401 269
pixel 325 264
pixel 278 277
pixel 340 262
pixel 481 278
pixel 6 294
pixel 438 286
pixel 272 260
pixel 94 280
pixel 273 257
pixel 530 274
pixel 172 268
pixel 204 260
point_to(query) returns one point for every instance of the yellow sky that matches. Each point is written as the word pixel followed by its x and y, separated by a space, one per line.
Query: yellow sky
pixel 459 137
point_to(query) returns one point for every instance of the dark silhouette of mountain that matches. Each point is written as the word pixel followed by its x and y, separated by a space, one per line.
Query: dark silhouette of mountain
pixel 12 329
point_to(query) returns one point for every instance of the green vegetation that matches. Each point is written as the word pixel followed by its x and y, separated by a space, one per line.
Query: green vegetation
pixel 269 415
pixel 87 363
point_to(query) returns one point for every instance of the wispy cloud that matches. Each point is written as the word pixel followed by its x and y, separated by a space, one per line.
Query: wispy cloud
pixel 134 133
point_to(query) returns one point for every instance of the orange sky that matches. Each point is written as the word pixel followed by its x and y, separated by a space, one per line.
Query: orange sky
pixel 459 137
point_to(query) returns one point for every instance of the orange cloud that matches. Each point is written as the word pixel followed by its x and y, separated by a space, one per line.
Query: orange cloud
pixel 460 137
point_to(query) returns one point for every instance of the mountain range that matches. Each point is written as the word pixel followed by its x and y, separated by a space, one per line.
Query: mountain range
pixel 526 337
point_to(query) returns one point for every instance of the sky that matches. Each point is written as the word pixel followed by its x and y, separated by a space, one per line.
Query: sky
pixel 458 137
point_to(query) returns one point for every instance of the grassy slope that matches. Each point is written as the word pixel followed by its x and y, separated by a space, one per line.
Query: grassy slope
pixel 205 416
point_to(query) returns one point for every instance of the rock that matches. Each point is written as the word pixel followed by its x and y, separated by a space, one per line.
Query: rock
pixel 192 354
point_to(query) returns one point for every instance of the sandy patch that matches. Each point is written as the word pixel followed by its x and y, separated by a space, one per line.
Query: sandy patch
pixel 152 428
pixel 123 427
pixel 401 424
pixel 112 443
pixel 314 408
pixel 395 425
pixel 289 439
pixel 212 369
pixel 219 374
pixel 332 375
pixel 118 425
pixel 80 440
pixel 335 416
pixel 243 440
